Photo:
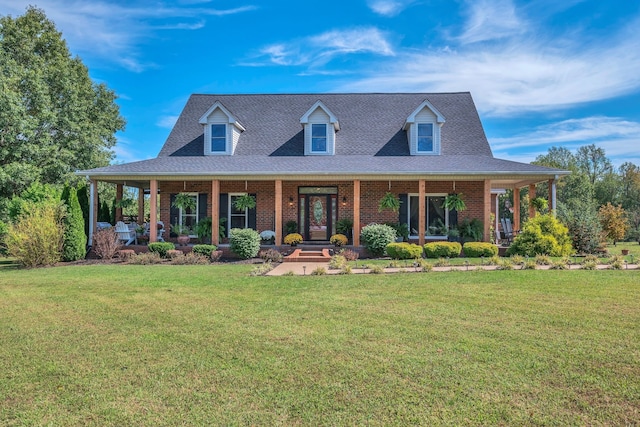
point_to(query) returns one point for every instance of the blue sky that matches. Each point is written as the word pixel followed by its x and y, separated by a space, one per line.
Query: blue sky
pixel 542 72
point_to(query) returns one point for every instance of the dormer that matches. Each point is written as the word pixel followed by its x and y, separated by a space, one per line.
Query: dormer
pixel 320 126
pixel 221 131
pixel 423 130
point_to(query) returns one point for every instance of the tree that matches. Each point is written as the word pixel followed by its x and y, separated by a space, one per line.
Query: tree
pixel 613 221
pixel 75 241
pixel 53 118
pixel 592 161
pixel 557 157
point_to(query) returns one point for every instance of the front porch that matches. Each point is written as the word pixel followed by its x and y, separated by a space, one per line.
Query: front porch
pixel 313 208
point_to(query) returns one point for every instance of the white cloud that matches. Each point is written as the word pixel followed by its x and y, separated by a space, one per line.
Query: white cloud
pixel 618 137
pixel 389 7
pixel 489 20
pixel 167 122
pixel 317 50
pixel 518 74
pixel 113 31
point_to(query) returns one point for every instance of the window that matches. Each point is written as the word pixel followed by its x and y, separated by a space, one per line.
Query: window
pixel 425 137
pixel 319 138
pixel 189 217
pixel 218 138
pixel 238 218
pixel 437 217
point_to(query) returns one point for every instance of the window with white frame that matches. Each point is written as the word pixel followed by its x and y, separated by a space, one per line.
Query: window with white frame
pixel 318 138
pixel 436 216
pixel 425 138
pixel 189 217
pixel 238 218
pixel 218 138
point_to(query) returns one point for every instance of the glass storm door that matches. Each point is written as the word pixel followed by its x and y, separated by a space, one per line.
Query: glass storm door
pixel 318 217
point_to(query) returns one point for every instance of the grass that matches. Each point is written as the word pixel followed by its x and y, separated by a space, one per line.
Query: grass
pixel 167 345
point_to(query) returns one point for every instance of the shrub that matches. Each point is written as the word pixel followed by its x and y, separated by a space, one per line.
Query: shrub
pixel 174 253
pixel 471 230
pixel 271 255
pixel 442 249
pixel 190 259
pixel 376 237
pixel 146 258
pixel 244 242
pixel 589 265
pixel 262 269
pixel 346 270
pixel 161 248
pixel 126 254
pixel 376 269
pixel 319 271
pixel 478 249
pixel 349 254
pixel 204 249
pixel 3 234
pixel 591 258
pixel 337 262
pixel 543 260
pixel 74 245
pixel 613 221
pixel 584 228
pixel 105 243
pixel 529 264
pixel 505 264
pixel 561 264
pixel 216 255
pixel 36 237
pixel 292 239
pixel 442 262
pixel 404 250
pixel 338 240
pixel 542 234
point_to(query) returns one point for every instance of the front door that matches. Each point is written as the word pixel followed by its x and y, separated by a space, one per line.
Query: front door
pixel 318 221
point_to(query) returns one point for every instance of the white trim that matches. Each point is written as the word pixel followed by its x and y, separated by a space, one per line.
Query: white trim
pixel 232 133
pixel 408 207
pixel 229 207
pixel 232 120
pixel 332 118
pixel 425 104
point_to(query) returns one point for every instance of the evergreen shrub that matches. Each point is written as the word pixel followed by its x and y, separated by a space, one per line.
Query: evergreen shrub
pixel 442 249
pixel 244 242
pixel 376 237
pixel 479 249
pixel 404 250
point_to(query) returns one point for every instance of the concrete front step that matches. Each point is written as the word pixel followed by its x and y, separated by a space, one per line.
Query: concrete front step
pixel 304 255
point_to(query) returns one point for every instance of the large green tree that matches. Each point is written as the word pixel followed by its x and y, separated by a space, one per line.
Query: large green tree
pixel 53 118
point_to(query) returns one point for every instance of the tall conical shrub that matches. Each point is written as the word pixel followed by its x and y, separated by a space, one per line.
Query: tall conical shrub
pixel 83 199
pixel 75 241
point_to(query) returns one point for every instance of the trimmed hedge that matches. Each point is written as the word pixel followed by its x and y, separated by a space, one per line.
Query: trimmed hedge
pixel 404 250
pixel 204 249
pixel 376 237
pixel 442 249
pixel 479 249
pixel 244 242
pixel 161 248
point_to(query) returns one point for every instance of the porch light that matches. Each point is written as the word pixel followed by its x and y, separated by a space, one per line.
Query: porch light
pixel 290 201
pixel 344 201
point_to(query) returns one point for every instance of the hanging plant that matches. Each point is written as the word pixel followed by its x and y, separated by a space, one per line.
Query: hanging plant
pixel 184 201
pixel 539 204
pixel 389 201
pixel 245 201
pixel 454 202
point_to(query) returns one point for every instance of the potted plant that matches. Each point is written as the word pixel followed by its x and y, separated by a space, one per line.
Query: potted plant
pixel 453 235
pixel 345 226
pixel 454 202
pixel 203 230
pixel 292 239
pixel 268 237
pixel 245 201
pixel 389 201
pixel 291 227
pixel 338 240
pixel 184 201
pixel 183 233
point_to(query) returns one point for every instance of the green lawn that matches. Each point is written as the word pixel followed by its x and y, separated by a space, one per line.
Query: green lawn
pixel 184 345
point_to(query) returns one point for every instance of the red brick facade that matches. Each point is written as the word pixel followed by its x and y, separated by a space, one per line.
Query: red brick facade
pixel 370 194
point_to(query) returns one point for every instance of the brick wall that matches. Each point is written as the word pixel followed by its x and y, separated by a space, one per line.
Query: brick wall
pixel 370 192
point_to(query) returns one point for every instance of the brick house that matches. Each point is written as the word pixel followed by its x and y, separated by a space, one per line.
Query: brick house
pixel 318 158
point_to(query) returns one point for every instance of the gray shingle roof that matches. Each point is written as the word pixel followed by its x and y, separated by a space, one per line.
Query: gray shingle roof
pixel 370 140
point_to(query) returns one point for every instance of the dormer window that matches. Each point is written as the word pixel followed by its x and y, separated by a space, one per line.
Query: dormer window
pixel 221 131
pixel 423 130
pixel 318 138
pixel 320 127
pixel 425 137
pixel 218 138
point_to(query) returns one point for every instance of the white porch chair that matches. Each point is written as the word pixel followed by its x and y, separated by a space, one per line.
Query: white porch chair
pixel 125 235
